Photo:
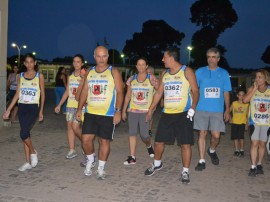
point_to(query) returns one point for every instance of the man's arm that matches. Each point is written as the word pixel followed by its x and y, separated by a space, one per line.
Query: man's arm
pixel 227 106
pixel 119 95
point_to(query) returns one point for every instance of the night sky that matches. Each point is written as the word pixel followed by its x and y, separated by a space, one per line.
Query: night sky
pixel 58 28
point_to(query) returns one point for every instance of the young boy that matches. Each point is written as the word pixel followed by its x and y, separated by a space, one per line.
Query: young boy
pixel 239 123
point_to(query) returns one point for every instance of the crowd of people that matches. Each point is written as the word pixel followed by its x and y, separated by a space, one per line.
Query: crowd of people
pixel 96 103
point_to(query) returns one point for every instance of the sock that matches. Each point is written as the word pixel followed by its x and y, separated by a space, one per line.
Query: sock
pixel 253 166
pixel 90 157
pixel 202 161
pixel 133 157
pixel 149 146
pixel 101 165
pixel 259 164
pixel 241 149
pixel 185 170
pixel 157 163
pixel 211 150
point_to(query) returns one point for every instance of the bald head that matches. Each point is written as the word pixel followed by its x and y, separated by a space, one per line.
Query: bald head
pixel 101 56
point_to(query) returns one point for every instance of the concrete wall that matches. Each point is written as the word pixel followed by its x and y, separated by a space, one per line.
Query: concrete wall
pixel 3 56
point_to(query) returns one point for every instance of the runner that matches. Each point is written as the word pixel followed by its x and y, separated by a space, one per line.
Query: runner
pixel 140 92
pixel 178 83
pixel 259 121
pixel 31 95
pixel 103 91
pixel 214 84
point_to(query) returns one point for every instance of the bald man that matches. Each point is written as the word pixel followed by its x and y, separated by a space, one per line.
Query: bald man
pixel 103 92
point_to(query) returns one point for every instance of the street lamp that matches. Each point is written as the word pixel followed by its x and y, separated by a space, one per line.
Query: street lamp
pixel 189 50
pixel 123 57
pixel 19 51
pixel 34 53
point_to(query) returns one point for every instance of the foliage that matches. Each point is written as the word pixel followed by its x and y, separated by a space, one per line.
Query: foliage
pixel 266 55
pixel 214 17
pixel 155 37
pixel 114 57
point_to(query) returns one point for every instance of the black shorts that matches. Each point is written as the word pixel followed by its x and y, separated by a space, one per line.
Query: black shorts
pixel 173 126
pixel 237 131
pixel 101 126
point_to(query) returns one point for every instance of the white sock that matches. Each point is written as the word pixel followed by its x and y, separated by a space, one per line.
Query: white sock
pixel 202 161
pixel 149 146
pixel 101 165
pixel 185 170
pixel 157 163
pixel 90 157
pixel 212 151
pixel 253 166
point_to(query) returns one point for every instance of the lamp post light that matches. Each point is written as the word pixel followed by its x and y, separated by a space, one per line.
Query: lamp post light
pixel 189 51
pixel 34 53
pixel 123 57
pixel 19 51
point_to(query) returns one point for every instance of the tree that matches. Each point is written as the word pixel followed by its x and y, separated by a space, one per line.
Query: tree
pixel 114 57
pixel 214 17
pixel 266 55
pixel 155 37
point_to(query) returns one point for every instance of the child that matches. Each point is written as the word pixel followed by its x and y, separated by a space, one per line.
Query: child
pixel 239 123
pixel 31 95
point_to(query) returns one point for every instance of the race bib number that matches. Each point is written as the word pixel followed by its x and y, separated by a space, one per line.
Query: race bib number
pixel 172 90
pixel 212 92
pixel 28 95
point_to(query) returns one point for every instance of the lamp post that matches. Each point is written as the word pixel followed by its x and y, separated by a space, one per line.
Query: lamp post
pixel 19 51
pixel 123 57
pixel 189 50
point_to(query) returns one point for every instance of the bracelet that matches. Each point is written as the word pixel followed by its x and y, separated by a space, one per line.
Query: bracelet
pixel 118 110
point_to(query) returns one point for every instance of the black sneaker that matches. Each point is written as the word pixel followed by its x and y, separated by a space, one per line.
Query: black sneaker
pixel 252 172
pixel 236 153
pixel 185 178
pixel 130 161
pixel 242 154
pixel 213 156
pixel 150 171
pixel 151 151
pixel 260 169
pixel 200 166
pixel 150 133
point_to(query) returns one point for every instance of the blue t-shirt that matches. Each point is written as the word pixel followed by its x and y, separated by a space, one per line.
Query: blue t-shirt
pixel 212 85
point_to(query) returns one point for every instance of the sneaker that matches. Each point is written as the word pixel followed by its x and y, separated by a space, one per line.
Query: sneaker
pixel 150 133
pixel 150 171
pixel 236 153
pixel 84 162
pixel 252 172
pixel 242 154
pixel 260 169
pixel 185 178
pixel 130 161
pixel 101 174
pixel 34 159
pixel 88 169
pixel 151 152
pixel 25 166
pixel 71 154
pixel 213 156
pixel 200 166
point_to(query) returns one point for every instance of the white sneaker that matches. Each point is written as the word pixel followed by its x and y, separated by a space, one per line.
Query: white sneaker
pixel 88 169
pixel 71 154
pixel 25 166
pixel 101 174
pixel 34 159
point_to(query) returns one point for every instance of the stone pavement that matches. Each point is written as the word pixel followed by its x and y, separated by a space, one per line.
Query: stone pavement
pixel 59 179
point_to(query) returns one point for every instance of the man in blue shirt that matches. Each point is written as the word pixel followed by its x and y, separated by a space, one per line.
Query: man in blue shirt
pixel 214 84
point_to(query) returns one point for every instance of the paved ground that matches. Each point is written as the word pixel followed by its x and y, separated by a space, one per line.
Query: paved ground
pixel 58 179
